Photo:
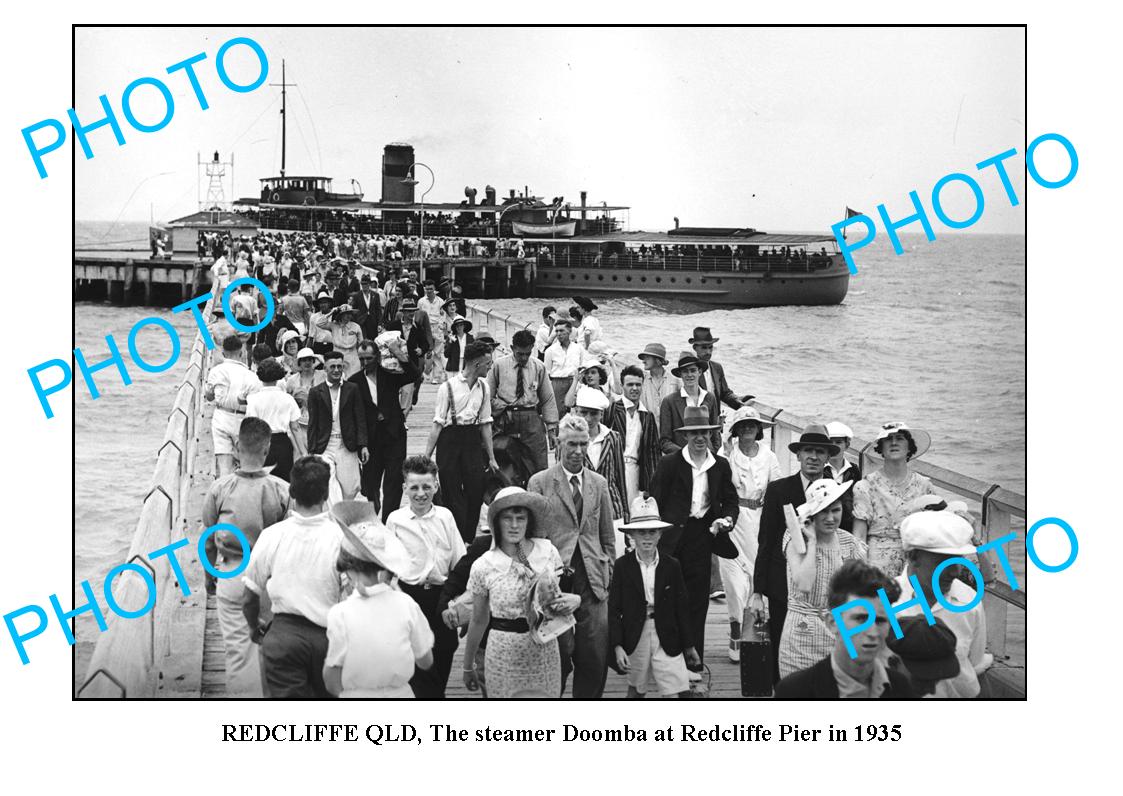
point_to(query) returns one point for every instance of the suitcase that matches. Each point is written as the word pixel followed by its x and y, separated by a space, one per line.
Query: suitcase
pixel 756 658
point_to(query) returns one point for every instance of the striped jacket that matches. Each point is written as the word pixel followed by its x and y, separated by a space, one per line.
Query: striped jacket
pixel 612 468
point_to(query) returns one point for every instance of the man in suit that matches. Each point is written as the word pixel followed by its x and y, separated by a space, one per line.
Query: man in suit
pixel 386 425
pixel 368 307
pixel 714 380
pixel 337 425
pixel 696 492
pixel 864 676
pixel 417 347
pixel 770 572
pixel 690 369
pixel 640 432
pixel 579 523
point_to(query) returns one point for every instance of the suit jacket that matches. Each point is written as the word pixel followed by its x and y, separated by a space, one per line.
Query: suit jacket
pixel 670 419
pixel 770 574
pixel 649 452
pixel 384 421
pixel 672 487
pixel 611 466
pixel 452 352
pixel 594 536
pixel 417 338
pixel 367 314
pixel 627 606
pixel 853 473
pixel 352 418
pixel 715 375
pixel 817 682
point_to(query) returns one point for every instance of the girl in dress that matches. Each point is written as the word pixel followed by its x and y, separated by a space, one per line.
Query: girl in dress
pixel 806 638
pixel 500 582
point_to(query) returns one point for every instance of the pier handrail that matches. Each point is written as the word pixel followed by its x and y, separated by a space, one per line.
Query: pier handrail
pixel 996 506
pixel 127 656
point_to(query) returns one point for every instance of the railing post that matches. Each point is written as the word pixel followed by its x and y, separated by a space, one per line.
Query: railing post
pixel 995 522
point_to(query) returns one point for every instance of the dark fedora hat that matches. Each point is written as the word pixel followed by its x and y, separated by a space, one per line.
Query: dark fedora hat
pixel 687 358
pixel 696 418
pixel 584 303
pixel 815 436
pixel 702 335
pixel 927 651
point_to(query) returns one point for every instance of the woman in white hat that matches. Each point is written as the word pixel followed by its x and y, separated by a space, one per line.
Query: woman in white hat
pixel 378 634
pixel 753 467
pixel 345 337
pixel 592 373
pixel 289 344
pixel 500 581
pixel 806 638
pixel 881 496
pixel 307 376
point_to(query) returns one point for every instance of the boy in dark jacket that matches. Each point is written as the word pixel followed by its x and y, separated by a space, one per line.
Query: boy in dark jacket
pixel 648 611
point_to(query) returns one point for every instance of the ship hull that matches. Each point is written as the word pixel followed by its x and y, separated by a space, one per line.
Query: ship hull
pixel 720 288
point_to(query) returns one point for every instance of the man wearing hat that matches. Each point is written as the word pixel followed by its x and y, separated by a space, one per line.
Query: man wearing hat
pixel 713 377
pixel 562 360
pixel 648 610
pixel 605 454
pixel 841 470
pixel 578 520
pixel 320 328
pixel 695 490
pixel 932 539
pixel 368 307
pixel 294 561
pixel 522 400
pixel 590 329
pixel 417 346
pixel 927 653
pixel 458 339
pixel 657 382
pixel 629 418
pixel 673 408
pixel 770 571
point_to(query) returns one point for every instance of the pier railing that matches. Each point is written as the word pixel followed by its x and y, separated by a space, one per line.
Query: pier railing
pixel 128 657
pixel 999 510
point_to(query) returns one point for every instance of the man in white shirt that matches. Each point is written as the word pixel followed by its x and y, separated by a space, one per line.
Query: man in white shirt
pixel 229 383
pixel 546 335
pixel 436 524
pixel 294 561
pixel 590 330
pixel 562 359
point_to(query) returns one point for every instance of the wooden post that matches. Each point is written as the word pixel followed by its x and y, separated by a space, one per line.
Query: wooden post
pixel 996 523
pixel 507 284
pixel 148 286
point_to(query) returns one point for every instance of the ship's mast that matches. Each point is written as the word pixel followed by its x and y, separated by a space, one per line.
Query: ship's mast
pixel 283 86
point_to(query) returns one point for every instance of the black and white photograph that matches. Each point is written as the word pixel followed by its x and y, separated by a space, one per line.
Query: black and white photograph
pixel 530 362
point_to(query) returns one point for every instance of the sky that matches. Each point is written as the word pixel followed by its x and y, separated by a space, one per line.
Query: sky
pixel 778 129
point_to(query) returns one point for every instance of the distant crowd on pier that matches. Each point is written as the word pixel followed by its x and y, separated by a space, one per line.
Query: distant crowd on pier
pixel 575 508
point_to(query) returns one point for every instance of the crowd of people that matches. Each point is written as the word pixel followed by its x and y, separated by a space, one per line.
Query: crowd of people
pixel 574 509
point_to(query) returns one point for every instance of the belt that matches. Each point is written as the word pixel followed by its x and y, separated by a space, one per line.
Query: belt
pixel 509 625
pixel 560 378
pixel 239 411
pixel 631 460
pixel 522 408
pixel 745 502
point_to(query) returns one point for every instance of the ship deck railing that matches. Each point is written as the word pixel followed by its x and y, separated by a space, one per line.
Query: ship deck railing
pixel 176 649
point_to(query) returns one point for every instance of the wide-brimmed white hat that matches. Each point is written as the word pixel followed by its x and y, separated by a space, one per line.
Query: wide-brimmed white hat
pixel 937 532
pixel 589 398
pixel 286 335
pixel 921 438
pixel 405 551
pixel 821 495
pixel 645 514
pixel 308 353
pixel 745 413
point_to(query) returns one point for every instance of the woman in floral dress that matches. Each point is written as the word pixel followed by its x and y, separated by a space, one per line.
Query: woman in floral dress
pixel 880 497
pixel 499 583
pixel 806 638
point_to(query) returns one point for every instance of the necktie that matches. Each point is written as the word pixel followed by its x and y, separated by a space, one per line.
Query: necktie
pixel 520 390
pixel 578 504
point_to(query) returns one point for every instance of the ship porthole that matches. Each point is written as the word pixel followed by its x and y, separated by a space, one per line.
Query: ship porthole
pixel 573 276
pixel 615 278
pixel 702 280
pixel 718 281
pixel 672 279
pixel 643 279
pixel 658 279
pixel 627 279
pixel 600 277
pixel 586 277
pixel 687 280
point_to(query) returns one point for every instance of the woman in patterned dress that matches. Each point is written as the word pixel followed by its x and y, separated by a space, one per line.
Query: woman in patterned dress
pixel 807 638
pixel 499 583
pixel 299 383
pixel 880 497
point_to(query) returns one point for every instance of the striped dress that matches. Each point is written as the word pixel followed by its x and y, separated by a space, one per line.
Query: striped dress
pixel 806 638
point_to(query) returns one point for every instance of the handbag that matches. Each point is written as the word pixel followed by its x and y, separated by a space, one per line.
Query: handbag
pixel 756 657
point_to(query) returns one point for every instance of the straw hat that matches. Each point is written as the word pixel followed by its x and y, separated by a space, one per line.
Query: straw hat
pixel 308 353
pixel 510 497
pixel 922 439
pixel 696 418
pixel 745 414
pixel 461 319
pixel 286 335
pixel 406 552
pixel 836 430
pixel 645 514
pixel 821 495
pixel 687 358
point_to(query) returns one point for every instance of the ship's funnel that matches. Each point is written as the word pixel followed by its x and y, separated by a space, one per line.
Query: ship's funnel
pixel 489 194
pixel 584 196
pixel 471 194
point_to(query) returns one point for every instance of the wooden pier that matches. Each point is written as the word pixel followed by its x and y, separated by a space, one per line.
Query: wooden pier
pixel 177 651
